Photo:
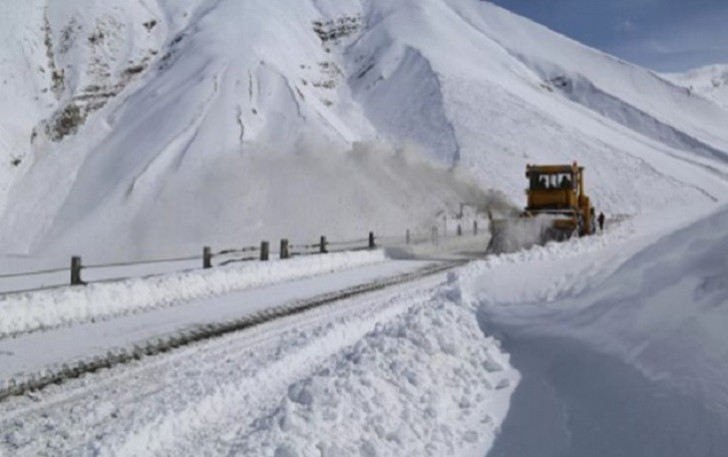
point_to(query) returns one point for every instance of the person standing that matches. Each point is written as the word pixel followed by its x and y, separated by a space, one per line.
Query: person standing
pixel 600 219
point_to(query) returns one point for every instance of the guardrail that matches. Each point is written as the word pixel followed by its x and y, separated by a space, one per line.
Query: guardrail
pixel 227 256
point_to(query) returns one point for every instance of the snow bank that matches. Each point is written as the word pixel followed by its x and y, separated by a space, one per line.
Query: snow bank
pixel 426 383
pixel 454 247
pixel 546 273
pixel 633 364
pixel 47 309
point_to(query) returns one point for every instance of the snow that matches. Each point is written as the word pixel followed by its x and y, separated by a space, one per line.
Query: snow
pixel 238 120
pixel 28 354
pixel 402 363
pixel 564 349
pixel 391 392
pixel 195 123
pixel 603 339
pixel 33 311
pixel 710 82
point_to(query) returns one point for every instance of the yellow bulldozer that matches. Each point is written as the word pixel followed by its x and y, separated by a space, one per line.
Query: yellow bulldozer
pixel 557 209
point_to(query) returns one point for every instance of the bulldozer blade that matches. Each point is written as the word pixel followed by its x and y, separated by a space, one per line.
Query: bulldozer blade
pixel 512 235
pixel 515 234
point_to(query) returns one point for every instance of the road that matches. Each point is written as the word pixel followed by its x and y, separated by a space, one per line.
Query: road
pixel 173 403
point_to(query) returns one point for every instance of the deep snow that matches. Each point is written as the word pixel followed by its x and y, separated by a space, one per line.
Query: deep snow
pixel 625 357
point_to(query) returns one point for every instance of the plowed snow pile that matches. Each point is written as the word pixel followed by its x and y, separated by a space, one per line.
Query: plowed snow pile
pixel 629 362
pixel 427 383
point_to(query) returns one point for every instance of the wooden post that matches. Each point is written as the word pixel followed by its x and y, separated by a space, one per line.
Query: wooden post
pixel 371 240
pixel 76 271
pixel 264 251
pixel 475 228
pixel 322 245
pixel 285 254
pixel 407 236
pixel 460 230
pixel 206 257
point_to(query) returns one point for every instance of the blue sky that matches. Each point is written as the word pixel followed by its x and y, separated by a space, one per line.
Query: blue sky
pixel 665 35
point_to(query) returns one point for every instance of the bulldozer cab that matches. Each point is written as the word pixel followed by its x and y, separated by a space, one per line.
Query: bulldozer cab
pixel 553 187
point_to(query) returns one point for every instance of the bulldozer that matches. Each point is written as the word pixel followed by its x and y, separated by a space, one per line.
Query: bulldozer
pixel 557 209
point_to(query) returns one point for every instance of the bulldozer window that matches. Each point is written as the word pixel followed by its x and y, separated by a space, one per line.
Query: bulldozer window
pixel 538 181
pixel 551 181
pixel 566 182
pixel 554 181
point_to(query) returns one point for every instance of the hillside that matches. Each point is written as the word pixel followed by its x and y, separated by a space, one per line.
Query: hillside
pixel 710 82
pixel 149 127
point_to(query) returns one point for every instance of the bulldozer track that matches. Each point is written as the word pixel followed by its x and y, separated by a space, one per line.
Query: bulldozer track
pixel 17 387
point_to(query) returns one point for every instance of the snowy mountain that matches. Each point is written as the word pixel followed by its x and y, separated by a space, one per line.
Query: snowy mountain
pixel 143 128
pixel 151 127
pixel 710 82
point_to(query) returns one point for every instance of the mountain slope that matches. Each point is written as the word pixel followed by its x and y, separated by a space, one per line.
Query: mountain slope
pixel 178 122
pixel 710 82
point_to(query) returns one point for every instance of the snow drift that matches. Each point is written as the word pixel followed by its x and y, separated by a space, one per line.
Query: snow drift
pixel 634 364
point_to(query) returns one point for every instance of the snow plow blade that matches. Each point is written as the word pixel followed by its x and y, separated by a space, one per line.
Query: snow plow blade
pixel 512 235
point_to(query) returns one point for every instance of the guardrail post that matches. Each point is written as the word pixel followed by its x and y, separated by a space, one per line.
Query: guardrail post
pixel 264 251
pixel 460 230
pixel 285 254
pixel 371 240
pixel 206 257
pixel 407 236
pixel 76 271
pixel 475 228
pixel 322 245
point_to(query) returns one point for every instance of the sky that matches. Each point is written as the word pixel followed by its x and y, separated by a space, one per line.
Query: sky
pixel 664 35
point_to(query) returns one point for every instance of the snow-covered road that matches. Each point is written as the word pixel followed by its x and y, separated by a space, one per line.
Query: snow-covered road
pixel 35 352
pixel 565 349
pixel 375 373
